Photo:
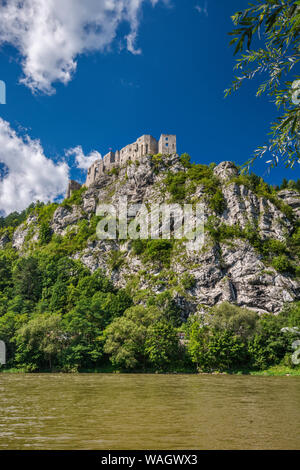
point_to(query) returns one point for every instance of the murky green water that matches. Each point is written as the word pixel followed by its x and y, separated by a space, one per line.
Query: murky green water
pixel 109 411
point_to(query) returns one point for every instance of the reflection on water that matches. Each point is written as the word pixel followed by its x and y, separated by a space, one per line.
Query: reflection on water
pixel 111 411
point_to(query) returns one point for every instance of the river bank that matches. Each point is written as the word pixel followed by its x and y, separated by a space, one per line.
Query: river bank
pixel 274 371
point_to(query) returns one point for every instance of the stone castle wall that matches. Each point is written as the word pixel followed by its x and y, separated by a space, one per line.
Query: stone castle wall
pixel 72 186
pixel 144 145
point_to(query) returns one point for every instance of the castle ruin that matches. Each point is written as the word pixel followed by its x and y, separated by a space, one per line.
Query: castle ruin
pixel 145 145
pixel 72 186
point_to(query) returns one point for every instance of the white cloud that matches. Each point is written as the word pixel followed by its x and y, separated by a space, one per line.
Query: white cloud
pixel 29 175
pixel 50 34
pixel 202 10
pixel 83 161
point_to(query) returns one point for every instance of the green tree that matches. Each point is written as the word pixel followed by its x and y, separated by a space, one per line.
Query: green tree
pixel 45 233
pixel 40 342
pixel 59 296
pixel 239 321
pixel 170 311
pixel 125 337
pixel 213 349
pixel 162 345
pixel 284 184
pixel 277 22
pixel 84 324
pixel 198 345
pixel 269 345
pixel 27 278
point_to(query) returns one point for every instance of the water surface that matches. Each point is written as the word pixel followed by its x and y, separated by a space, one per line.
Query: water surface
pixel 111 411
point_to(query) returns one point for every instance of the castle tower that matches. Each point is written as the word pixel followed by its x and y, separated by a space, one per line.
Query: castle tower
pixel 167 144
pixel 109 160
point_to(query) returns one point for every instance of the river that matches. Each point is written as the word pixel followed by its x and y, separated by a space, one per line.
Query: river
pixel 136 411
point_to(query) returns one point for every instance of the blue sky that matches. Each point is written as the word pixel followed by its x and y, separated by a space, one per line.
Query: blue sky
pixel 172 80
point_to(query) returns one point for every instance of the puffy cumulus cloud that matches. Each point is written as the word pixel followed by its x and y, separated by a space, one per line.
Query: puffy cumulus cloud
pixel 50 34
pixel 83 161
pixel 29 175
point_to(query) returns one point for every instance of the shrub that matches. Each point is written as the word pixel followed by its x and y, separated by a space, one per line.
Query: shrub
pixel 114 171
pixel 188 281
pixel 217 202
pixel 154 250
pixel 116 259
pixel 158 250
pixel 282 264
pixel 157 159
pixel 222 232
pixel 294 242
pixel 75 199
pixel 45 212
pixel 198 172
pixel 176 185
pixel 197 175
pixel 273 246
pixel 185 159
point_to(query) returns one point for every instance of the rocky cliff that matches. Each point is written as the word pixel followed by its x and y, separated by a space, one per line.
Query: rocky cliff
pixel 250 252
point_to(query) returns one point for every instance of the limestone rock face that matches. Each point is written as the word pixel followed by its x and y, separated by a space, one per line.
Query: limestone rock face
pixel 292 198
pixel 225 171
pixel 251 284
pixel 231 270
pixel 63 218
pixel 19 237
pixel 24 230
pixel 244 207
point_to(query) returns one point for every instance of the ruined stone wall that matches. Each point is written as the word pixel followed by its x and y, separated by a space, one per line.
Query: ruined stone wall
pixel 144 145
pixel 94 171
pixel 72 186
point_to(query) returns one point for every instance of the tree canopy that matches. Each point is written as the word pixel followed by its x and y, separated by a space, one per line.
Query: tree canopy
pixel 273 27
